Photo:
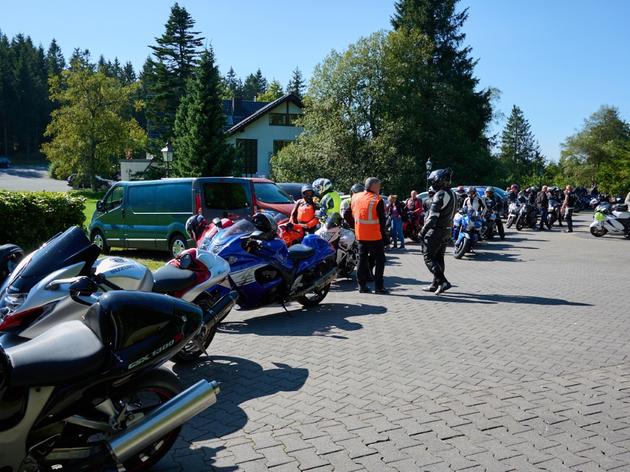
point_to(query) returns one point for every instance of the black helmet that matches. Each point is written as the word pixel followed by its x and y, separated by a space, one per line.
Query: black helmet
pixel 357 188
pixel 333 221
pixel 195 226
pixel 470 190
pixel 440 178
pixel 307 188
pixel 265 223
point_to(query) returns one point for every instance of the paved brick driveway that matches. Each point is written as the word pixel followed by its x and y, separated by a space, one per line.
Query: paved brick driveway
pixel 522 366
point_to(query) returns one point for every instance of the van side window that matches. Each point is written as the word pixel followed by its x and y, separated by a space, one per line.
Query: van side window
pixel 225 196
pixel 115 197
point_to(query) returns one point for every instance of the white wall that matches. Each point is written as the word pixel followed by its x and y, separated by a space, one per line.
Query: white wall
pixel 266 135
pixel 132 166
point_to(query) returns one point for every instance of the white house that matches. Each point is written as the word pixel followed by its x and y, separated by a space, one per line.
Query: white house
pixel 259 130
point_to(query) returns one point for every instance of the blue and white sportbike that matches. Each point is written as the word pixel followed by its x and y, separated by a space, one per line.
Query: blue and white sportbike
pixel 466 231
pixel 264 271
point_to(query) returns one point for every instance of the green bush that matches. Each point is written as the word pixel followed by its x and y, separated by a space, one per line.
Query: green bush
pixel 31 218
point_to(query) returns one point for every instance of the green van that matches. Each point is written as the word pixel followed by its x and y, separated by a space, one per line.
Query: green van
pixel 152 214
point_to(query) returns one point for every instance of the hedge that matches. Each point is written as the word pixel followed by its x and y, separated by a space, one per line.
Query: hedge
pixel 31 218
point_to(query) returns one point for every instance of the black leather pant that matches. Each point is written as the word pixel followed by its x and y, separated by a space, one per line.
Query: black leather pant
pixel 371 252
pixel 435 243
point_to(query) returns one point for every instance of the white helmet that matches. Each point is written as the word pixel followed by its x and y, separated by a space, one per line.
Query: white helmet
pixel 322 186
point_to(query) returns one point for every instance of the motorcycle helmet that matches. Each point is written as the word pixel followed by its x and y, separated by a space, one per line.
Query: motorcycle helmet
pixel 195 226
pixel 357 188
pixel 265 223
pixel 471 190
pixel 333 221
pixel 514 187
pixel 490 190
pixel 307 189
pixel 322 186
pixel 460 190
pixel 440 178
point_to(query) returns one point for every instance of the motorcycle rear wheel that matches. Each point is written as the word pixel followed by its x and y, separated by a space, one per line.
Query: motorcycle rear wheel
pixel 314 298
pixel 519 225
pixel 510 222
pixel 192 350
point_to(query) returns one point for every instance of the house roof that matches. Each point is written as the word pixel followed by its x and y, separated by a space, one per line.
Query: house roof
pixel 245 112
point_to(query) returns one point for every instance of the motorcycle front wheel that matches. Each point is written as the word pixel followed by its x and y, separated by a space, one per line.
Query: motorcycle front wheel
pixel 510 221
pixel 598 232
pixel 462 248
pixel 519 225
pixel 314 298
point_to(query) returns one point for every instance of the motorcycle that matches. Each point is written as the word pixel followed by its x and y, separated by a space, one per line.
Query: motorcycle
pixel 513 211
pixel 91 395
pixel 10 257
pixel 343 241
pixel 467 228
pixel 413 224
pixel 613 219
pixel 527 216
pixel 265 271
pixel 554 212
pixel 37 295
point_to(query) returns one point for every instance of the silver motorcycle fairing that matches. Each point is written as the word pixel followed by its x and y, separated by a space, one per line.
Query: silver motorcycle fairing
pixel 66 309
pixel 13 441
pixel 124 273
pixel 219 270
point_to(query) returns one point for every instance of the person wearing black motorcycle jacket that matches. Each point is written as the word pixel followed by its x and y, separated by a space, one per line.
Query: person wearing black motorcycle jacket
pixel 542 202
pixel 437 229
pixel 494 203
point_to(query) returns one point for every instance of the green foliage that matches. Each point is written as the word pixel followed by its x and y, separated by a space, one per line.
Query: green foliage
pixel 599 153
pixel 519 154
pixel 31 218
pixel 174 59
pixel 254 85
pixel 273 92
pixel 89 132
pixel 297 85
pixel 200 148
pixel 232 85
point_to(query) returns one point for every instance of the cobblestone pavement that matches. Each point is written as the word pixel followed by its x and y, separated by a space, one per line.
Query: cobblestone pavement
pixel 523 365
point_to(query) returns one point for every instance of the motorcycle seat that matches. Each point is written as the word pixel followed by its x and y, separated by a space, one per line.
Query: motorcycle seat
pixel 620 207
pixel 65 352
pixel 299 252
pixel 169 279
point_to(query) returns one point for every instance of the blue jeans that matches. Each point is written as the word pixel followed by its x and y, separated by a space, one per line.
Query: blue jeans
pixel 397 232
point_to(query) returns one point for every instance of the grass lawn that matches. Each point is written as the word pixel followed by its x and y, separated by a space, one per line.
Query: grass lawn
pixel 151 259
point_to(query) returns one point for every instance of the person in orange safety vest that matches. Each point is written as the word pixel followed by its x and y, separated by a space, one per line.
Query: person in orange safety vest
pixel 368 215
pixel 305 210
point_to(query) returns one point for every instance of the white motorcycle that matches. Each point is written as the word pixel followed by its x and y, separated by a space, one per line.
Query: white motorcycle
pixel 613 220
pixel 344 242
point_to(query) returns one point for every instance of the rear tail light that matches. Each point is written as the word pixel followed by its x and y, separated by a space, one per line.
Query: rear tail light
pixel 197 203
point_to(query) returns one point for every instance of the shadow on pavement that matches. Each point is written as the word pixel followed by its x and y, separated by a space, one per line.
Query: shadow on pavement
pixel 453 296
pixel 318 321
pixel 241 380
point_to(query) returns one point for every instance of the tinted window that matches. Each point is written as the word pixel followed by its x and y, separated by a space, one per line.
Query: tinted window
pixel 271 193
pixel 225 196
pixel 115 197
pixel 161 198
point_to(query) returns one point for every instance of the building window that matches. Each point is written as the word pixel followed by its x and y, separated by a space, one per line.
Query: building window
pixel 283 119
pixel 247 151
pixel 278 145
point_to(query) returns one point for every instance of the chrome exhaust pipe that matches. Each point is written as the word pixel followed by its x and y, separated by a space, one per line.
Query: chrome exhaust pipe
pixel 172 414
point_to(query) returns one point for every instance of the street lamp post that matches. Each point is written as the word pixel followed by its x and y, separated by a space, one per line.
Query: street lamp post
pixel 167 155
pixel 429 166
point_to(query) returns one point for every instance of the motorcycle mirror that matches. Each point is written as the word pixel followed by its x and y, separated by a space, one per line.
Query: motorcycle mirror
pixel 83 285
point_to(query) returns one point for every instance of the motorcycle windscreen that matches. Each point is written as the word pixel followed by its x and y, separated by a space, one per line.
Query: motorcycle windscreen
pixel 67 248
pixel 216 244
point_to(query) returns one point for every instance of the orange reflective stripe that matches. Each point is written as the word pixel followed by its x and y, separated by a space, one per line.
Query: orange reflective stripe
pixel 367 225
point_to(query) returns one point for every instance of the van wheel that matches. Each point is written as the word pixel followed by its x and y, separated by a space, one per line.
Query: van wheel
pixel 98 239
pixel 177 244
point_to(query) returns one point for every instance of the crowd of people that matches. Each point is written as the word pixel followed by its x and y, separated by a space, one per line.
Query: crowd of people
pixel 379 221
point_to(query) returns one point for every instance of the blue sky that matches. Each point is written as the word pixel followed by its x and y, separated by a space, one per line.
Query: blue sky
pixel 558 60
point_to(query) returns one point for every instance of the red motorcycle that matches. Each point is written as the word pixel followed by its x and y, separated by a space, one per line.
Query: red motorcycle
pixel 413 224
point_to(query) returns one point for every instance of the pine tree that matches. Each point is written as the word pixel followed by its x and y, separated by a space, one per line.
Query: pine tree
pixel 128 75
pixel 519 152
pixel 273 92
pixel 174 59
pixel 233 85
pixel 199 144
pixel 254 85
pixel 55 61
pixel 296 85
pixel 446 115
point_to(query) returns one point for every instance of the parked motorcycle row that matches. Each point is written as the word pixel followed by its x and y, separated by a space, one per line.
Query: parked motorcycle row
pixel 83 339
